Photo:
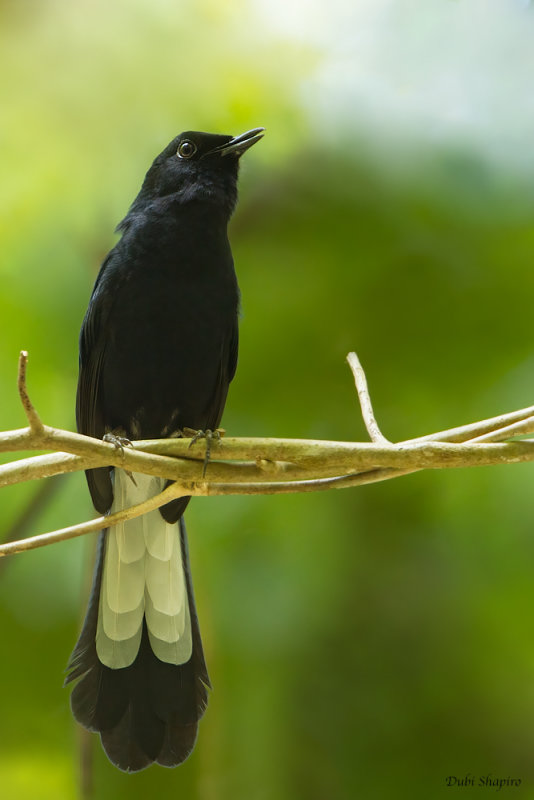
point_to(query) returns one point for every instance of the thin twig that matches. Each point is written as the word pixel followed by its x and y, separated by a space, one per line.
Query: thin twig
pixel 520 428
pixel 170 493
pixel 46 466
pixel 466 433
pixel 36 426
pixel 375 434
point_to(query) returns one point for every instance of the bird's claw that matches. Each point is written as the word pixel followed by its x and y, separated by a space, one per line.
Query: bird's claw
pixel 119 442
pixel 210 437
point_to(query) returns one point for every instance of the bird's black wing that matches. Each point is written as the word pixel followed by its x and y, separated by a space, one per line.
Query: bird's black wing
pixel 89 403
pixel 232 353
pixel 172 511
pixel 227 368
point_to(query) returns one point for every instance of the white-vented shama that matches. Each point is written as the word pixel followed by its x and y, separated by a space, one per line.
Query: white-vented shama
pixel 143 577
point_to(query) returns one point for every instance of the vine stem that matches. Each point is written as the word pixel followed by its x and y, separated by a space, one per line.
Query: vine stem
pixel 254 465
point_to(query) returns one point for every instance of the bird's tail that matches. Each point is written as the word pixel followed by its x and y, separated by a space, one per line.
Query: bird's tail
pixel 142 679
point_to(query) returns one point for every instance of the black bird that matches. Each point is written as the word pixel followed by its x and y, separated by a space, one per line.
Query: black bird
pixel 158 349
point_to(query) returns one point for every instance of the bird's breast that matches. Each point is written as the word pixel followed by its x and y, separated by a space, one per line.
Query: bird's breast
pixel 174 313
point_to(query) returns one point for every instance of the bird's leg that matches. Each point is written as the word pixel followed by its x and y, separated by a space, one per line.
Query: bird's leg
pixel 120 441
pixel 209 435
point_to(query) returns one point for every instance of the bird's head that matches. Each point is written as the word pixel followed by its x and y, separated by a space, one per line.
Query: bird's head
pixel 197 166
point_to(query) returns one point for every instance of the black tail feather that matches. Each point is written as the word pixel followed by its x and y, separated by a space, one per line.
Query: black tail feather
pixel 147 712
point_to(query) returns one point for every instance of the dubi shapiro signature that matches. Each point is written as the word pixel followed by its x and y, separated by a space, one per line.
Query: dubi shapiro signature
pixel 489 781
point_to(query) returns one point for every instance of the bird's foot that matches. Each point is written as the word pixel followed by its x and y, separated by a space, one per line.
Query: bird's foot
pixel 117 439
pixel 210 437
pixel 120 442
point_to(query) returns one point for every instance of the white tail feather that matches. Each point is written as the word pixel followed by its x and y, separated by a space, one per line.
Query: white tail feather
pixel 123 625
pixel 165 582
pixel 167 627
pixel 143 576
pixel 173 651
pixel 123 579
pixel 116 653
pixel 159 539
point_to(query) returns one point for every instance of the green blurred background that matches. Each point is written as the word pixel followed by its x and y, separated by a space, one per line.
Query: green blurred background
pixel 366 643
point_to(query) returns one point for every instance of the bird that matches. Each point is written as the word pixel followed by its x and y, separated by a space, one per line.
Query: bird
pixel 158 350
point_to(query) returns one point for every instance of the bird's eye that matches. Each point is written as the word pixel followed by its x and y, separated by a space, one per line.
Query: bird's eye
pixel 186 149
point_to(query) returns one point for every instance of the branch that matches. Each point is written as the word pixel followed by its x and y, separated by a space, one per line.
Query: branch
pixel 256 465
pixel 375 434
pixel 36 426
pixel 170 493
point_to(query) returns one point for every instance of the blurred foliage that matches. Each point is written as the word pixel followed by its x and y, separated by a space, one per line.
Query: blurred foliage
pixel 365 643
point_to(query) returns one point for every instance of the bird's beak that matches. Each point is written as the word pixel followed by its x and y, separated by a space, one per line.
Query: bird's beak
pixel 239 144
